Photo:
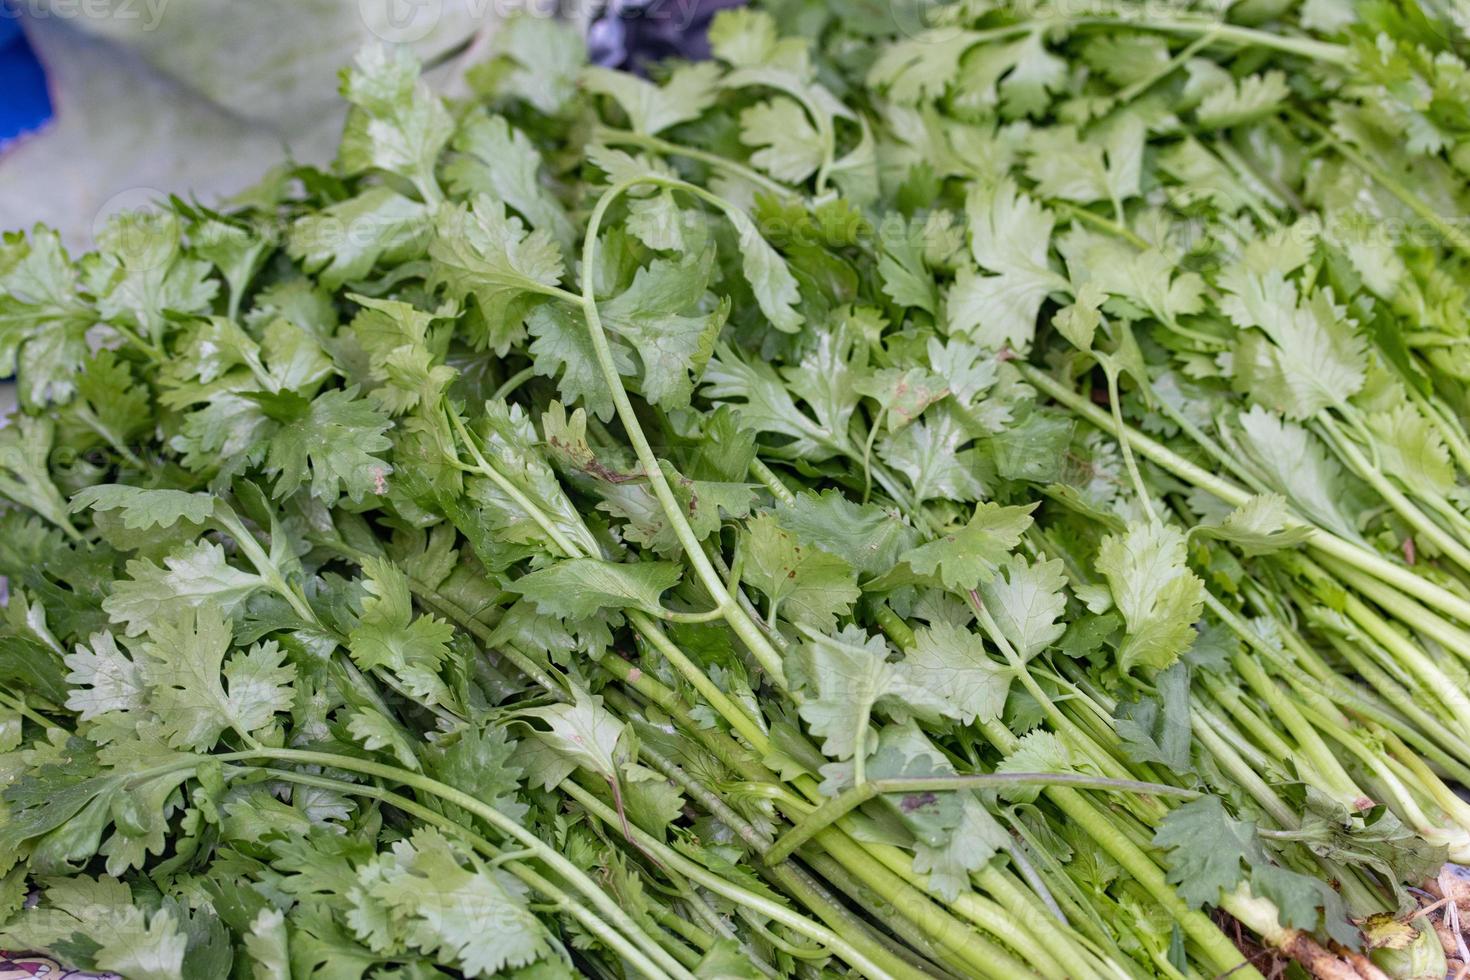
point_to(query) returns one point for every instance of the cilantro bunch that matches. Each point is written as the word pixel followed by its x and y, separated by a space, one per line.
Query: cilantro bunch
pixel 978 492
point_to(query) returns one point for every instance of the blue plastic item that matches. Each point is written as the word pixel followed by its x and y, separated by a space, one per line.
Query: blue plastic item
pixel 25 103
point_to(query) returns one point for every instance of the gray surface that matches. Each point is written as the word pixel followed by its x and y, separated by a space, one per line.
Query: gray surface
pixel 195 97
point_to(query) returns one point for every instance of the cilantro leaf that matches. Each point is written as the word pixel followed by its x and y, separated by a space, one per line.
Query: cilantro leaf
pixel 968 556
pixel 847 676
pixel 952 663
pixel 811 587
pixel 197 694
pixel 1159 597
pixel 483 252
pixel 578 587
pixel 195 576
pixel 1000 309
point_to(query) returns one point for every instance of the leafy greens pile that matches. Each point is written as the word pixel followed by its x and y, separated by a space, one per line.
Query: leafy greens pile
pixel 980 494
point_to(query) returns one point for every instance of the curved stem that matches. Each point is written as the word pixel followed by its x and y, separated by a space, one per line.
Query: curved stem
pixel 510 860
pixel 512 383
pixel 747 629
pixel 1115 406
pixel 544 852
pixel 624 137
pixel 568 548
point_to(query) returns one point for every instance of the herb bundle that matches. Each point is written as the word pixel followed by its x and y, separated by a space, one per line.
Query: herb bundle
pixel 972 495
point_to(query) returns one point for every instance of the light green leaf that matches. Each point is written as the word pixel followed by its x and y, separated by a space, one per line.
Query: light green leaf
pixel 195 576
pixel 789 147
pixel 142 508
pixel 928 453
pixel 396 124
pixel 500 162
pixel 846 678
pixel 443 910
pixel 580 587
pixel 103 679
pixel 869 537
pixel 1159 597
pixel 1412 450
pixel 965 557
pixel 388 636
pixel 336 440
pixel 185 661
pixel 1027 600
pixel 1010 235
pixel 1262 524
pixel 1246 100
pixel 584 734
pixel 651 108
pixel 770 279
pixel 482 251
pixel 660 317
pixel 811 587
pixel 345 241
pixel 951 662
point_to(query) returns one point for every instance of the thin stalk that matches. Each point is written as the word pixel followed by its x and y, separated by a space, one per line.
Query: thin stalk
pixel 976 953
pixel 897 888
pixel 1419 729
pixel 1215 947
pixel 744 627
pixel 1080 213
pixel 853 797
pixel 1241 772
pixel 1404 609
pixel 598 927
pixel 772 482
pixel 1445 229
pixel 1323 541
pixel 624 137
pixel 548 527
pixel 1120 431
pixel 728 890
pixel 1309 743
pixel 1009 928
pixel 545 853
pixel 1396 499
pixel 512 383
pixel 1250 721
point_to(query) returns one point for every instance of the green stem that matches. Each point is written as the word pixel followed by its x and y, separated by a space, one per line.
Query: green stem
pixel 1309 744
pixel 1405 610
pixel 548 855
pixel 711 882
pixel 855 796
pixel 512 383
pixel 1452 235
pixel 1216 948
pixel 598 927
pixel 1319 539
pixel 1401 504
pixel 623 137
pixel 747 629
pixel 1080 213
pixel 1120 430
